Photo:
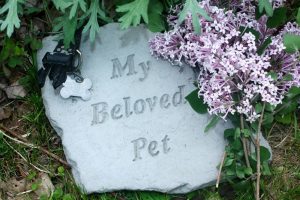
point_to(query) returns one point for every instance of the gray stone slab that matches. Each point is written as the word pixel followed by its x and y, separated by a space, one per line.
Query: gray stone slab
pixel 136 132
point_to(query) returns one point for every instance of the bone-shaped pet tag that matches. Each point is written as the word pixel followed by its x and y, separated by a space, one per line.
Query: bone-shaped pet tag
pixel 73 88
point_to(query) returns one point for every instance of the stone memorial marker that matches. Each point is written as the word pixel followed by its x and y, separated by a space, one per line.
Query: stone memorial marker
pixel 137 132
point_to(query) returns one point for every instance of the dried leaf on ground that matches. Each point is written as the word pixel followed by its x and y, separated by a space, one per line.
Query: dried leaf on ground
pixel 6 71
pixel 5 112
pixel 2 96
pixel 15 90
pixel 13 185
pixel 46 186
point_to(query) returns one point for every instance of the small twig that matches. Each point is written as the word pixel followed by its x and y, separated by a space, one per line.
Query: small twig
pixel 220 170
pixel 23 141
pixel 25 192
pixel 282 141
pixel 258 153
pixel 45 6
pixel 271 130
pixel 37 168
pixel 18 141
pixel 246 151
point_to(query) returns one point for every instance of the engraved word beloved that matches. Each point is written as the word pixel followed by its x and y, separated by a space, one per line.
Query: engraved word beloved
pixel 142 145
pixel 102 111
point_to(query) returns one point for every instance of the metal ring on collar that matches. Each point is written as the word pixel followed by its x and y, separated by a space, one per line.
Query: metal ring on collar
pixel 80 60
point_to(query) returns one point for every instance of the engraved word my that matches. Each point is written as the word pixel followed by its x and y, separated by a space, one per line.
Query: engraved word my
pixel 119 70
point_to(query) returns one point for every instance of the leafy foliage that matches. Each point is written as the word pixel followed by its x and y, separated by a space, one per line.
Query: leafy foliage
pixel 12 19
pixel 212 123
pixel 298 17
pixel 196 103
pixel 192 7
pixel 92 25
pixel 12 53
pixel 292 43
pixel 279 18
pixel 265 5
pixel 134 11
pixel 90 14
pixel 64 4
pixel 156 19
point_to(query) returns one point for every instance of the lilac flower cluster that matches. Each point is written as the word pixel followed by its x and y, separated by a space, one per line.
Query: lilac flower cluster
pixel 232 74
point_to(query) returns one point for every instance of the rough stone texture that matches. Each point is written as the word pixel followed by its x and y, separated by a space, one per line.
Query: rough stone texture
pixel 155 148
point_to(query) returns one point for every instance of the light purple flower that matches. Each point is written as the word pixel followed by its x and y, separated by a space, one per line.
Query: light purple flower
pixel 232 74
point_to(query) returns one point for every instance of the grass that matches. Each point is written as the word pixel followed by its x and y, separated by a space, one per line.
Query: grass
pixel 29 120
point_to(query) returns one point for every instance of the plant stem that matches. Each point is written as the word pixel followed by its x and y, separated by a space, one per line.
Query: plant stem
pixel 18 139
pixel 244 141
pixel 45 5
pixel 220 170
pixel 258 153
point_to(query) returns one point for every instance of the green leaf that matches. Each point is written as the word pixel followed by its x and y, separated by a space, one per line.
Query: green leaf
pixel 269 107
pixel 236 145
pixel 288 107
pixel 31 176
pixel 291 42
pixel 246 132
pixel 266 169
pixel 244 185
pixel 229 133
pixel 258 108
pixel 284 118
pixel 75 3
pixel 248 171
pixel 244 30
pixel 152 196
pixel 240 172
pixel 258 14
pixel 35 44
pixel 265 5
pixel 68 26
pixel 92 25
pixel 156 7
pixel 156 23
pixel 268 118
pixel 34 186
pixel 58 193
pixel 287 77
pixel 265 154
pixel 11 20
pixel 32 10
pixel 228 162
pixel 62 4
pixel 192 7
pixel 213 122
pixel 12 53
pixel 273 75
pixel 298 17
pixel 44 197
pixel 68 197
pixel 15 61
pixel 279 18
pixel 197 102
pixel 69 31
pixel 264 45
pixel 61 169
pixel 293 92
pixel 237 133
pixel 134 11
pixel 156 20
